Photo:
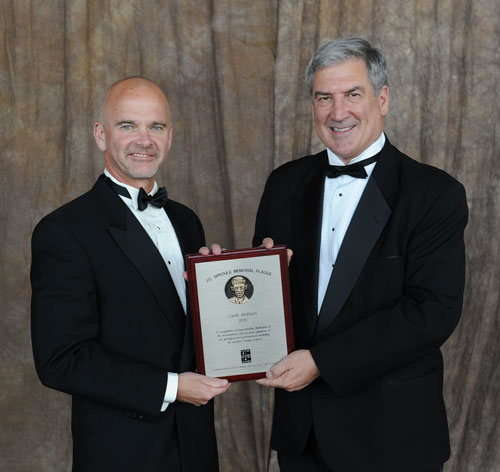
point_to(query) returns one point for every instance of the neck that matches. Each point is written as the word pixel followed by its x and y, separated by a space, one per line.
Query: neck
pixel 374 148
pixel 146 183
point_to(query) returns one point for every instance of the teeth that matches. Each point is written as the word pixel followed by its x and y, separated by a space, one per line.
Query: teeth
pixel 343 129
pixel 140 155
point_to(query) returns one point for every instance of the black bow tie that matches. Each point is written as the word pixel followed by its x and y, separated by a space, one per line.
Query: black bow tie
pixel 158 199
pixel 143 199
pixel 354 170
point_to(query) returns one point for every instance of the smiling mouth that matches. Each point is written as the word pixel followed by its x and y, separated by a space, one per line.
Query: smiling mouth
pixel 141 155
pixel 342 130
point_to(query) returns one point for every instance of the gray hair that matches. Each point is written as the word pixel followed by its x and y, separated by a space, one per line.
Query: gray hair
pixel 340 50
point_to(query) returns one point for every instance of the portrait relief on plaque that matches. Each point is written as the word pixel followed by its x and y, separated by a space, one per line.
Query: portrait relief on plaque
pixel 238 289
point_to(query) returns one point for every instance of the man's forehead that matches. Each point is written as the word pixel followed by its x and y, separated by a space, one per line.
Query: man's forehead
pixel 344 77
pixel 128 102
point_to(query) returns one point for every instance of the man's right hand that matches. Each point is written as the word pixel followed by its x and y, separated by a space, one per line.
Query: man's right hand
pixel 199 389
pixel 214 249
pixel 268 243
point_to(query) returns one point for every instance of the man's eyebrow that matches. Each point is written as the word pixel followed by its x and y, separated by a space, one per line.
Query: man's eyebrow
pixel 356 88
pixel 319 93
pixel 125 122
pixel 132 122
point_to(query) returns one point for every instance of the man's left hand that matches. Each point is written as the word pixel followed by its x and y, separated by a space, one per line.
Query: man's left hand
pixel 205 251
pixel 293 372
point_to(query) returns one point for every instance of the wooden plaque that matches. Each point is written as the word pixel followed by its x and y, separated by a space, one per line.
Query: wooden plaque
pixel 241 311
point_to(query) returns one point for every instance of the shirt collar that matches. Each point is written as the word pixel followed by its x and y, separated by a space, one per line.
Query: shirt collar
pixel 134 192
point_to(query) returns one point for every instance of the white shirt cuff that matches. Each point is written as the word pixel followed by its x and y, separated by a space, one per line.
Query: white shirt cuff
pixel 171 390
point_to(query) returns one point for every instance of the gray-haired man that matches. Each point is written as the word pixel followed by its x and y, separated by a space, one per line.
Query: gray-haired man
pixel 377 280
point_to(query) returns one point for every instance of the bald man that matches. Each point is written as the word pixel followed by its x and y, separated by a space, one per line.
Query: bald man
pixel 110 324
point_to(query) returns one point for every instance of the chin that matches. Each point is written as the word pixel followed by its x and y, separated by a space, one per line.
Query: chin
pixel 144 174
pixel 343 153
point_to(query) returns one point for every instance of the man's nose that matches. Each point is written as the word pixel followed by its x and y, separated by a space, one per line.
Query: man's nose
pixel 338 110
pixel 142 137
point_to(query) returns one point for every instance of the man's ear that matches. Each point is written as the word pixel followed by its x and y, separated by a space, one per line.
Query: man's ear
pixel 170 132
pixel 100 136
pixel 383 100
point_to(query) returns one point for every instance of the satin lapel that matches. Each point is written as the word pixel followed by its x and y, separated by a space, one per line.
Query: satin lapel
pixel 368 221
pixel 131 237
pixel 188 246
pixel 180 221
pixel 308 206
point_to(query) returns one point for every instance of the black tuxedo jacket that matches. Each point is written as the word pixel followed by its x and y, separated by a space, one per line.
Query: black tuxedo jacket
pixel 107 326
pixel 395 295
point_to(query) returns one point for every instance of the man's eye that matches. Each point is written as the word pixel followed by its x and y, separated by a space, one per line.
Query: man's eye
pixel 126 127
pixel 157 128
pixel 323 100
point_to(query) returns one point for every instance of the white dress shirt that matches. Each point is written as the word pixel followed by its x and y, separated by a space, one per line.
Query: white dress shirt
pixel 157 224
pixel 340 199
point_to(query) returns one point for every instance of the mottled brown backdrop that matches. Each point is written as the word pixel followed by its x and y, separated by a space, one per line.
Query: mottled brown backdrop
pixel 233 71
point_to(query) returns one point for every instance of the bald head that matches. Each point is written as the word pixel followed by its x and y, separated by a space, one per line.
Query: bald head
pixel 130 85
pixel 135 131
